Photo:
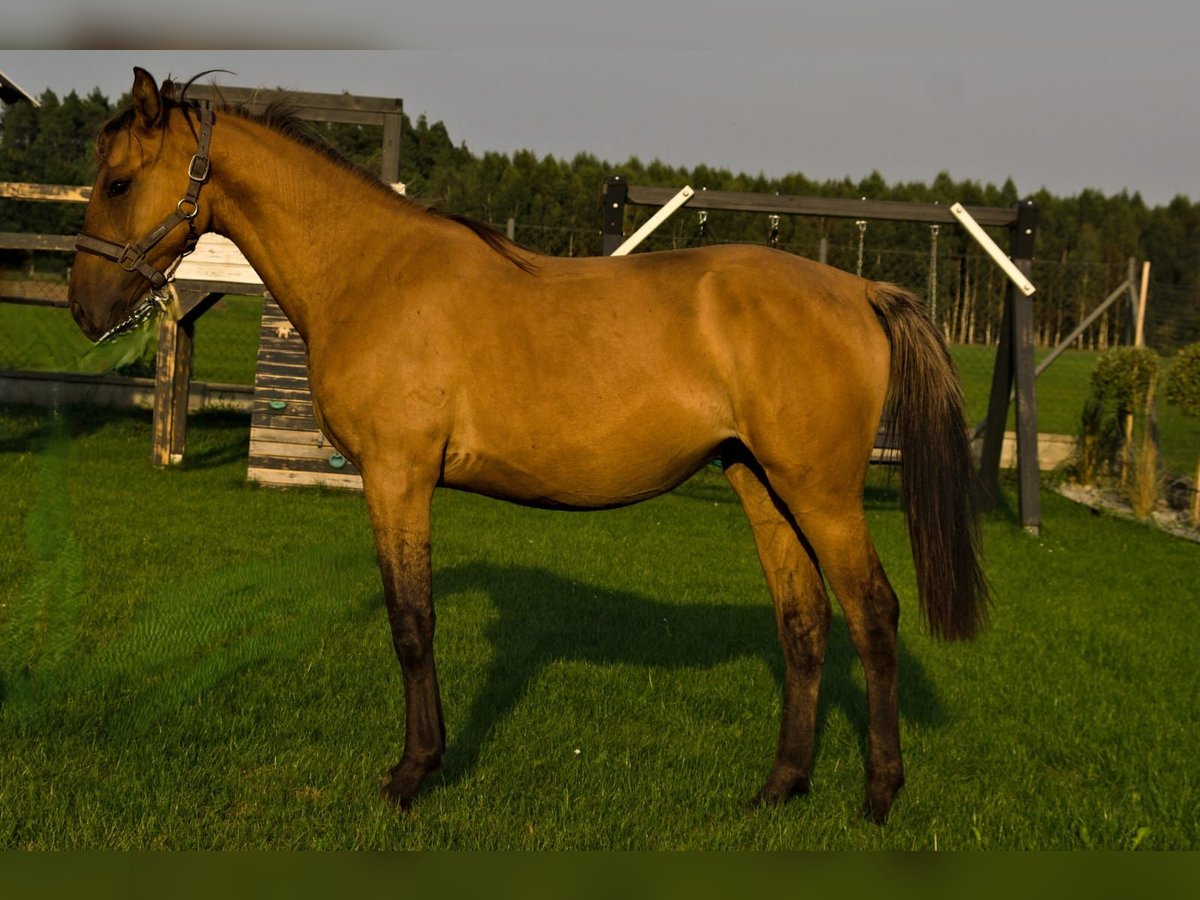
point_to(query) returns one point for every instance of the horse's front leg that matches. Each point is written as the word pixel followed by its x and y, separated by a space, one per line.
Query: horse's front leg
pixel 399 505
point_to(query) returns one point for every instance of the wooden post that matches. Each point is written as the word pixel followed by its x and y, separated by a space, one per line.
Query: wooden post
pixel 1130 327
pixel 616 192
pixel 1139 340
pixel 173 378
pixel 997 417
pixel 1028 467
pixel 389 164
pixel 1015 367
pixel 1139 333
pixel 1196 497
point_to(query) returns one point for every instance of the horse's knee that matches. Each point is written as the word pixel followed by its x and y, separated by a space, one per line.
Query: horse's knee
pixel 412 631
pixel 803 633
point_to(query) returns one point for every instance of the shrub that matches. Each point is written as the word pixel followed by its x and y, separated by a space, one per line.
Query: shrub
pixel 1183 390
pixel 1122 387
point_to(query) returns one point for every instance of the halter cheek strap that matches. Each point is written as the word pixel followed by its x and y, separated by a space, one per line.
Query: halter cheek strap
pixel 132 256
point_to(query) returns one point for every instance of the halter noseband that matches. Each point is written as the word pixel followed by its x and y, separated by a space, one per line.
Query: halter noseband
pixel 132 256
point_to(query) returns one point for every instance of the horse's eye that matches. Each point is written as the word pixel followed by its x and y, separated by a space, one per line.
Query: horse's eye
pixel 118 186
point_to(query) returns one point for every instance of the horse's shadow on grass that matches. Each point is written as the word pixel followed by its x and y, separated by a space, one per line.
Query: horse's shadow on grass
pixel 543 618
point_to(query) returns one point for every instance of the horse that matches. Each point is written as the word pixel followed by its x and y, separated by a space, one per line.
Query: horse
pixel 441 354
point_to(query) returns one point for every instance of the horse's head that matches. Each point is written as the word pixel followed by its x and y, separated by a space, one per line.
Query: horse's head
pixel 144 211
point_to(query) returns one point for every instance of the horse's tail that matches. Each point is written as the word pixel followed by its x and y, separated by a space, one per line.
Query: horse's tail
pixel 938 481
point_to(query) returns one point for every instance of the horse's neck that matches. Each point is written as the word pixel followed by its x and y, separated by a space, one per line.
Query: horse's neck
pixel 300 219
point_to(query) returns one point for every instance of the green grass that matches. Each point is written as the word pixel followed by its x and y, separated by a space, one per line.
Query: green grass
pixel 191 662
pixel 45 339
pixel 1060 390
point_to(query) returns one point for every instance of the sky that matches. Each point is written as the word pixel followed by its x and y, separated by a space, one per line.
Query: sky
pixel 1065 96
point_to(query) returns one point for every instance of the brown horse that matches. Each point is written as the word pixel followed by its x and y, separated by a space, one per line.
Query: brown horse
pixel 440 354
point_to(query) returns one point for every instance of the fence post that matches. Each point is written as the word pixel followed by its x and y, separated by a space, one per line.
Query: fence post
pixel 172 382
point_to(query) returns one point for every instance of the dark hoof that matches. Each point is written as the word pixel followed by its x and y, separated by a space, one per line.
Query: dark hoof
pixel 880 797
pixel 780 788
pixel 402 785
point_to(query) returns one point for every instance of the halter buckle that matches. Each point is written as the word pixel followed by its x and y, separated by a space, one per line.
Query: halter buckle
pixel 198 168
pixel 130 258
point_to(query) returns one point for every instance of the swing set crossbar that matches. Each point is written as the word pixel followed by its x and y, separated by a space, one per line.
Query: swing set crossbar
pixel 829 207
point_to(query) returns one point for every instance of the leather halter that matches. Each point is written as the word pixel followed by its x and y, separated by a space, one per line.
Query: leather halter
pixel 132 256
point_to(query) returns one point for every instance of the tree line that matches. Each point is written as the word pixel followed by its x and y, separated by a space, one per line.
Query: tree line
pixel 1084 241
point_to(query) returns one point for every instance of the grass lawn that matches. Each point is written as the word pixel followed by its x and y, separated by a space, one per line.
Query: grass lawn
pixel 192 662
pixel 46 339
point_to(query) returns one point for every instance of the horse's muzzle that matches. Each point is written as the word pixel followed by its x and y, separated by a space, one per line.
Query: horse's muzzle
pixel 83 320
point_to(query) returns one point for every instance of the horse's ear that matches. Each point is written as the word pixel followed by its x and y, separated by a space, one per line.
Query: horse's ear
pixel 146 100
pixel 167 91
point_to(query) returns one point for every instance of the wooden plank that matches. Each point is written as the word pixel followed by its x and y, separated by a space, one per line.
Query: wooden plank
pixel 290 452
pixel 280 364
pixel 224 273
pixel 62 243
pixel 300 425
pixel 282 478
pixel 298 409
pixel 218 250
pixel 61 193
pixel 293 437
pixel 828 207
pixel 236 288
pixel 307 104
pixel 291 398
pixel 293 464
pixel 294 409
pixel 297 380
pixel 217 259
pixel 289 351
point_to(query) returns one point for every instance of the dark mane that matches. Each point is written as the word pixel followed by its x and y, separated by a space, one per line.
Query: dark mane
pixel 280 116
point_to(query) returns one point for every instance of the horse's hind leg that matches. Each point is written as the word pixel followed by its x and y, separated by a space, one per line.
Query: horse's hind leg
pixel 802 616
pixel 833 523
pixel 400 518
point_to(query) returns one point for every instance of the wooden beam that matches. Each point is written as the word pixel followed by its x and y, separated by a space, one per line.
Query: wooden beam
pixel 312 106
pixel 64 243
pixel 827 207
pixel 62 193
